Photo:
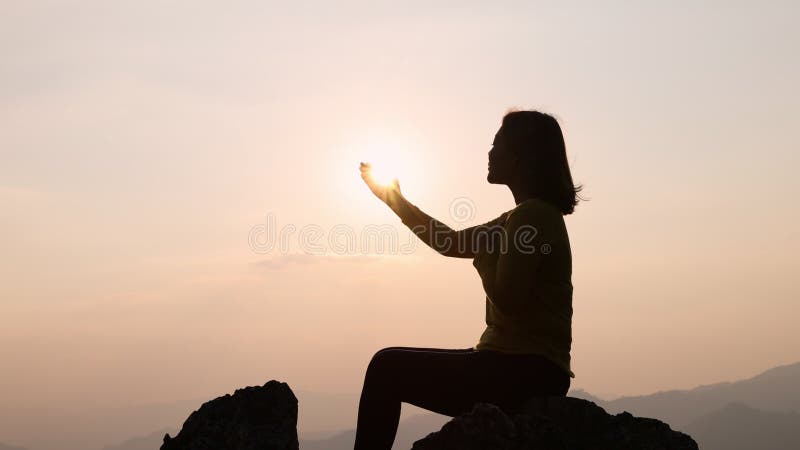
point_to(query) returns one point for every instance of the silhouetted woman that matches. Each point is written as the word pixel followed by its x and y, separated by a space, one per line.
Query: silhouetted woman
pixel 524 260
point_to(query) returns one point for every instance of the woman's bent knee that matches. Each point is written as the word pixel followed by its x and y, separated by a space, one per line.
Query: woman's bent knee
pixel 380 360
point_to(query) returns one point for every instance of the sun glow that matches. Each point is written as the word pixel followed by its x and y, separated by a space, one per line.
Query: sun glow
pixel 388 160
pixel 395 153
pixel 382 175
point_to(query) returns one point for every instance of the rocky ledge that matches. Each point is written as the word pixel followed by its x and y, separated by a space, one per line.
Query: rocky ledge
pixel 554 423
pixel 265 418
pixel 253 418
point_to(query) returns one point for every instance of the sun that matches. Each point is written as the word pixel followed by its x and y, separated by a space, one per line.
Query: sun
pixel 391 154
pixel 382 174
pixel 388 159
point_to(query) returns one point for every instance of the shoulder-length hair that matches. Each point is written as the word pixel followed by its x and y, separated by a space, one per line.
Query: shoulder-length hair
pixel 536 137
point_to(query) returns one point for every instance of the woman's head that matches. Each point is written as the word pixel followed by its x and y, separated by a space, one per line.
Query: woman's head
pixel 529 153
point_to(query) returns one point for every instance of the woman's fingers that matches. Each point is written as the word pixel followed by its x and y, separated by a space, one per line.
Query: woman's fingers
pixel 366 173
pixel 378 189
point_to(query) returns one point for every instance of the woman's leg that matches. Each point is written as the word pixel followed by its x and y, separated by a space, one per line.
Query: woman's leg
pixel 445 381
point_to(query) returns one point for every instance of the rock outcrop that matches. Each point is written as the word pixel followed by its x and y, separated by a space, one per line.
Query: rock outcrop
pixel 265 418
pixel 253 418
pixel 554 423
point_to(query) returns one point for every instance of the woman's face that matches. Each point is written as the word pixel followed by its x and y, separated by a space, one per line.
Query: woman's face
pixel 502 163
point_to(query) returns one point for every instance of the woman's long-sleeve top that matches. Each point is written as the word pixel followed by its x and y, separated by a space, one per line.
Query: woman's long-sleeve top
pixel 526 273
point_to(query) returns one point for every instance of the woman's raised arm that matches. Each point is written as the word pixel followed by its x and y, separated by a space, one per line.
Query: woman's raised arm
pixel 466 243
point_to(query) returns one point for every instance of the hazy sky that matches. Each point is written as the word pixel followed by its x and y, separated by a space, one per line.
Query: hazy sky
pixel 141 143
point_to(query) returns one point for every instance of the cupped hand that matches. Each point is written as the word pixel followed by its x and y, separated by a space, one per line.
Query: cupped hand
pixel 383 191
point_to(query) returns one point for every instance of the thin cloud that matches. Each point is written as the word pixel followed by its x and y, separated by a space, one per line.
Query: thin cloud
pixel 303 259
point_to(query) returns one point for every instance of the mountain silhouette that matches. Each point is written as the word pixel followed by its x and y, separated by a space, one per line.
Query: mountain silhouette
pixel 777 389
pixel 740 427
pixel 10 447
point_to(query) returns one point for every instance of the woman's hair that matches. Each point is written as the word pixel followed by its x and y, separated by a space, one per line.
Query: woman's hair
pixel 536 137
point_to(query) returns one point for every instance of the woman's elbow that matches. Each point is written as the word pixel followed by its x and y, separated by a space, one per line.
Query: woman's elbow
pixel 448 245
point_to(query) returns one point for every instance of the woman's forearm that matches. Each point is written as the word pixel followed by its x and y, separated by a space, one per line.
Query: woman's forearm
pixel 432 232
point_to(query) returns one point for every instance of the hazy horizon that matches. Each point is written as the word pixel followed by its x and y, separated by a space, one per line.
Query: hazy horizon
pixel 141 143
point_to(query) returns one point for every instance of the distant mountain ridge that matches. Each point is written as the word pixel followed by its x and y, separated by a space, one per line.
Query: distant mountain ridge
pixel 740 427
pixel 10 447
pixel 776 389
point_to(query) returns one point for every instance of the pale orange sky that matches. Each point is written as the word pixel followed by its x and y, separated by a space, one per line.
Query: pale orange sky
pixel 140 144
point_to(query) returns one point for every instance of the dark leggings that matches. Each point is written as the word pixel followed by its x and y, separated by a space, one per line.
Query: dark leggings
pixel 447 382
